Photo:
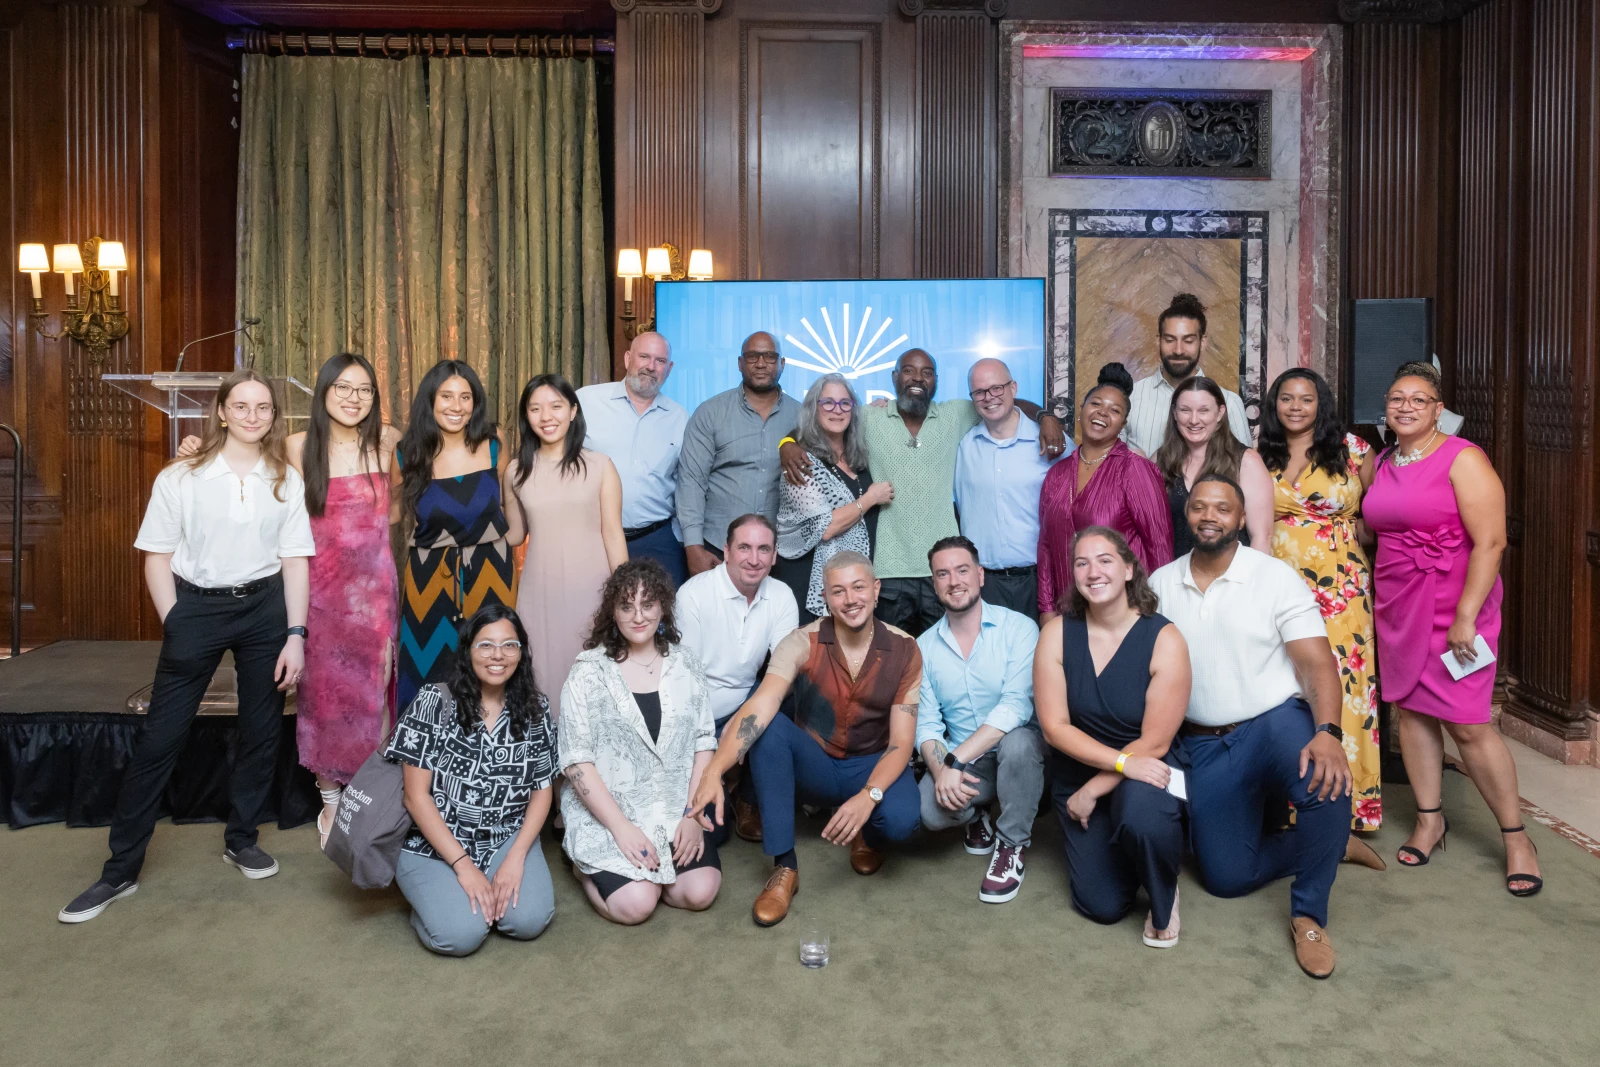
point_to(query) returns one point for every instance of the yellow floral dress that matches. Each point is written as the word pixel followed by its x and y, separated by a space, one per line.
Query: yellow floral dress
pixel 1314 531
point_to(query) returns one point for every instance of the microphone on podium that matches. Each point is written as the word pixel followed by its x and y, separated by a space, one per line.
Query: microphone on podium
pixel 243 327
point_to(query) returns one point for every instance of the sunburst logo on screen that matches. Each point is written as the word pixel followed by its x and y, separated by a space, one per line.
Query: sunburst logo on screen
pixel 853 359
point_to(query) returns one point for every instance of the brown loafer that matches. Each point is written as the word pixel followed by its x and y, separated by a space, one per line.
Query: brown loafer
pixel 773 904
pixel 1312 949
pixel 864 859
pixel 746 820
pixel 1360 853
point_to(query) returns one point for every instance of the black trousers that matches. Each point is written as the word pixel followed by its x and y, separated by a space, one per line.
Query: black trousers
pixel 197 631
pixel 909 603
pixel 1135 838
pixel 1019 592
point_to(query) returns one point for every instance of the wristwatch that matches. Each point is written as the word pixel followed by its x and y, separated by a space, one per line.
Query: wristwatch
pixel 1332 730
pixel 953 763
pixel 875 794
pixel 297 631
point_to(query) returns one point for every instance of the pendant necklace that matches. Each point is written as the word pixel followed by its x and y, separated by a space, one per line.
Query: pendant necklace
pixel 1405 459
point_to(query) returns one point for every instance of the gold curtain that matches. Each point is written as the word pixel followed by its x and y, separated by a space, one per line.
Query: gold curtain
pixel 423 209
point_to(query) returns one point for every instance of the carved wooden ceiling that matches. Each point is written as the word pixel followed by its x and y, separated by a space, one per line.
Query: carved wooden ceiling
pixel 547 15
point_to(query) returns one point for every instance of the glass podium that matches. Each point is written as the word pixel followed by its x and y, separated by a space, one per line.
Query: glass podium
pixel 186 398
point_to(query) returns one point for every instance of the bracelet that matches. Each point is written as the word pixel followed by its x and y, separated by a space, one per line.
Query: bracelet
pixel 1122 760
pixel 458 859
pixel 859 510
pixel 787 441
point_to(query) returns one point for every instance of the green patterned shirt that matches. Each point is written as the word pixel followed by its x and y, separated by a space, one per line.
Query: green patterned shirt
pixel 923 478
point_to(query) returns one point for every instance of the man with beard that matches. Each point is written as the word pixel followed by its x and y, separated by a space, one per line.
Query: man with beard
pixel 1262 726
pixel 975 723
pixel 912 444
pixel 1180 335
pixel 729 465
pixel 642 431
pixel 852 683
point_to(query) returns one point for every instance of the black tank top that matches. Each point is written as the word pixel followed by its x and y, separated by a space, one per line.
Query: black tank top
pixel 1109 708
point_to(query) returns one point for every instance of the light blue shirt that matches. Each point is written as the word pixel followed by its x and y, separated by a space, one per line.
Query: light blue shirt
pixel 644 448
pixel 997 493
pixel 992 687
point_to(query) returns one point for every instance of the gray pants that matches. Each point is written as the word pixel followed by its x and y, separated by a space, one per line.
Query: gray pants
pixel 442 915
pixel 1013 771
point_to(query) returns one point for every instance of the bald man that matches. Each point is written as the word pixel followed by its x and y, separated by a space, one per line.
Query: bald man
pixel 729 465
pixel 642 431
pixel 999 470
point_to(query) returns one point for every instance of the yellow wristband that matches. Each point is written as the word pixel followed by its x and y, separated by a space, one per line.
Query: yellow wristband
pixel 1121 762
pixel 787 441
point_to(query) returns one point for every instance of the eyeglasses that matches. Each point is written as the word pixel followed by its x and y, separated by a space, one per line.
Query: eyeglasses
pixel 242 410
pixel 489 648
pixel 760 358
pixel 994 392
pixel 1404 402
pixel 344 391
pixel 843 407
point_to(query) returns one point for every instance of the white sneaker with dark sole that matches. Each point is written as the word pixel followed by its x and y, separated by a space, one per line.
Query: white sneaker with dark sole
pixel 94 900
pixel 251 862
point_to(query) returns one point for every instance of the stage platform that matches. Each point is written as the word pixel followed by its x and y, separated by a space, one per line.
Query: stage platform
pixel 69 713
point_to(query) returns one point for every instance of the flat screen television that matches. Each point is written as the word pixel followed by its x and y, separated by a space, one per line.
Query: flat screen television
pixel 858 328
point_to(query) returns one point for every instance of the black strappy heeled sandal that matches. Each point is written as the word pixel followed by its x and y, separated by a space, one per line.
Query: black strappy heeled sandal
pixel 1538 883
pixel 1415 857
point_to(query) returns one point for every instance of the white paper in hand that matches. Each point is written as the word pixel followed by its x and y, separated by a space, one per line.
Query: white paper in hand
pixel 1176 784
pixel 1459 670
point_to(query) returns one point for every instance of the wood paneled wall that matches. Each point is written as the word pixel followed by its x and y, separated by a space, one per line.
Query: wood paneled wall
pixel 1473 182
pixel 124 120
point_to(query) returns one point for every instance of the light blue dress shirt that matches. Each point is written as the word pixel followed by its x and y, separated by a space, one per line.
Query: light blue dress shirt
pixel 993 687
pixel 997 493
pixel 644 448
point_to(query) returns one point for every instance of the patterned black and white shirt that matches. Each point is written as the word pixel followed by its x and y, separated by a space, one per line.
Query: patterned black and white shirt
pixel 482 780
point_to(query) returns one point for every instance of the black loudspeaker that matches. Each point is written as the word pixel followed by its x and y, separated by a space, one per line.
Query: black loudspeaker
pixel 1386 333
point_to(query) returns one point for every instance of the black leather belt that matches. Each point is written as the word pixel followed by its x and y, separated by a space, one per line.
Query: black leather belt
pixel 637 532
pixel 1012 572
pixel 1211 731
pixel 241 590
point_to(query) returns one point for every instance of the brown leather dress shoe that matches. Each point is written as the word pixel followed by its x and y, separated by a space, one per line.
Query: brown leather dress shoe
pixel 773 904
pixel 864 859
pixel 746 820
pixel 1360 853
pixel 1312 949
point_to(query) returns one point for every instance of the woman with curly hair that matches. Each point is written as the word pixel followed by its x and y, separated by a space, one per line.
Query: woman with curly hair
pixel 479 755
pixel 636 734
pixel 1319 475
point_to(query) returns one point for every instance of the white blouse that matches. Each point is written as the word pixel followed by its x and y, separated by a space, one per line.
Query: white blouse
pixel 223 530
pixel 601 724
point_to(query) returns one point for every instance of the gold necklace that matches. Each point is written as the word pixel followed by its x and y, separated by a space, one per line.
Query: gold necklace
pixel 1082 461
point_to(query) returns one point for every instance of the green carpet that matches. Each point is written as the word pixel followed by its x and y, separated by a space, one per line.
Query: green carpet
pixel 1436 966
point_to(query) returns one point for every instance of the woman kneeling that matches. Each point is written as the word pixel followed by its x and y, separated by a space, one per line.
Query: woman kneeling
pixel 480 761
pixel 636 734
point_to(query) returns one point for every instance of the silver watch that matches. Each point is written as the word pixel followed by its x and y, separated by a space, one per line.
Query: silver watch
pixel 875 794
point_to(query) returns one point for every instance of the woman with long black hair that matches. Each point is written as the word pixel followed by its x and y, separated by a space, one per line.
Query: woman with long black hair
pixel 479 755
pixel 458 559
pixel 225 539
pixel 566 501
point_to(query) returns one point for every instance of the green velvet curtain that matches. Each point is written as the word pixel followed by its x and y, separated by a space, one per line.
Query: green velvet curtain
pixel 423 209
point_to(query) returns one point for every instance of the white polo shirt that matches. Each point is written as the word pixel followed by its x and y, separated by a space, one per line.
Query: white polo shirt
pixel 1236 631
pixel 1151 406
pixel 732 635
pixel 223 530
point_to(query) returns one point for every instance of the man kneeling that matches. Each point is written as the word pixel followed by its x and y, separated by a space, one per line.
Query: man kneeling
pixel 853 682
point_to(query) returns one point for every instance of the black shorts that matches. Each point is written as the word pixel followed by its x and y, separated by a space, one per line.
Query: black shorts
pixel 608 883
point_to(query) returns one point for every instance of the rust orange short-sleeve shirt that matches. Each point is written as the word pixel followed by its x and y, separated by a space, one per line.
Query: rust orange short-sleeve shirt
pixel 848 716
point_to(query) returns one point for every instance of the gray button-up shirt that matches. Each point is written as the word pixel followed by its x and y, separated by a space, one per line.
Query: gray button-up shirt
pixel 729 463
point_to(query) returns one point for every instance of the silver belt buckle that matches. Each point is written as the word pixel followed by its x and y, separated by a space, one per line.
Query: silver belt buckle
pixel 239 591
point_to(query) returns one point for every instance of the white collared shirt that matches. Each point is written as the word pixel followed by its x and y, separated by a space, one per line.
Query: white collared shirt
pixel 1151 405
pixel 223 530
pixel 730 634
pixel 1236 631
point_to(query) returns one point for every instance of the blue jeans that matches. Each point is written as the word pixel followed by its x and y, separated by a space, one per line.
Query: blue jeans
pixel 1232 779
pixel 787 763
pixel 665 549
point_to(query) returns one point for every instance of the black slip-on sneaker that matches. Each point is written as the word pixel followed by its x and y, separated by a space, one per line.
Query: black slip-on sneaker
pixel 92 901
pixel 252 862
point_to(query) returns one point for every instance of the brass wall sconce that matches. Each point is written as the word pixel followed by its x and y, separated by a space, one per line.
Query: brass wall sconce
pixel 93 315
pixel 663 263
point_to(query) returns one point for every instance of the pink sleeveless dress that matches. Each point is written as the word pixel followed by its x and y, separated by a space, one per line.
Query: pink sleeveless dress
pixel 1423 550
pixel 352 617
